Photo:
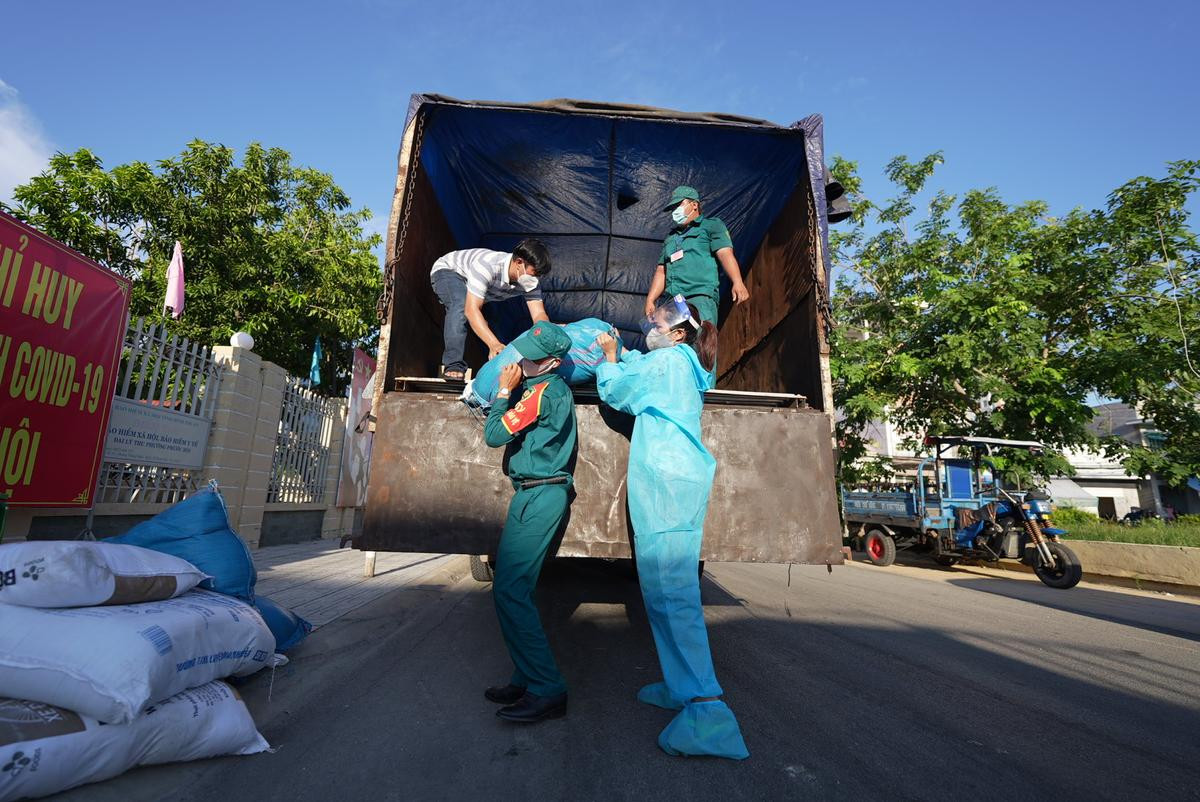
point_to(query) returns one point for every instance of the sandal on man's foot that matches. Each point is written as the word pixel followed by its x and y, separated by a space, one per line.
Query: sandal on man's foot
pixel 453 375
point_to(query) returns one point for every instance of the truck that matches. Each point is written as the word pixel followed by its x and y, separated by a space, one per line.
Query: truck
pixel 591 180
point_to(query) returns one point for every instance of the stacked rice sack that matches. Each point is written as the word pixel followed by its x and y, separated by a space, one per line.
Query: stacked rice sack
pixel 111 653
pixel 198 530
pixel 47 749
pixel 579 366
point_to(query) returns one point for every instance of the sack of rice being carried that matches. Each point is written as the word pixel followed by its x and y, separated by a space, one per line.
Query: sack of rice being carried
pixel 47 749
pixel 578 367
pixel 111 663
pixel 77 573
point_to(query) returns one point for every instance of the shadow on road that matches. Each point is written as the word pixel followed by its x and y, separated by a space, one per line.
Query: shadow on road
pixel 872 690
pixel 410 565
pixel 1180 619
pixel 1164 616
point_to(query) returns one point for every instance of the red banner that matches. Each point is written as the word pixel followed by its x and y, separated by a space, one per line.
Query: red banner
pixel 62 323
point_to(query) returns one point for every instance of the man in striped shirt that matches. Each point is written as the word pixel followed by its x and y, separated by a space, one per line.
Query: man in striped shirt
pixel 465 280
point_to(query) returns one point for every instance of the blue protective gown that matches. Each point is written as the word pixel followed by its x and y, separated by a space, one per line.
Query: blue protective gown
pixel 670 476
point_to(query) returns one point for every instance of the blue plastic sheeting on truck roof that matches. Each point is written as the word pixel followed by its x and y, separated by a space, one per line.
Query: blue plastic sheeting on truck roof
pixel 593 187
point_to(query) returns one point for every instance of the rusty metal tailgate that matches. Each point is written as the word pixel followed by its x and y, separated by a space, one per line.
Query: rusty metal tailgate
pixel 437 487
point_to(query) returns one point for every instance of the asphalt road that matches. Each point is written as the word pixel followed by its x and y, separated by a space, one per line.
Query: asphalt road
pixel 867 683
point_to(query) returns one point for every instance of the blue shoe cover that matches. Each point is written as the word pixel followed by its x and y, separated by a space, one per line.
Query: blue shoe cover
pixel 704 728
pixel 656 694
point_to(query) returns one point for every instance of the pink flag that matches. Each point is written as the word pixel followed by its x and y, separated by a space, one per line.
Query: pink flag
pixel 174 299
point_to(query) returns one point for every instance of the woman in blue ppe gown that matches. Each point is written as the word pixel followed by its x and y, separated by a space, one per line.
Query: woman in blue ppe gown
pixel 669 478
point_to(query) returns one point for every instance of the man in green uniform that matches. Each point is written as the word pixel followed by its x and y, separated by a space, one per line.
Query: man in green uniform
pixel 539 431
pixel 688 265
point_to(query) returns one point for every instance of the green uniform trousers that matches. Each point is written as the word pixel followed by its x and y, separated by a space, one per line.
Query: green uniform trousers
pixel 706 306
pixel 533 519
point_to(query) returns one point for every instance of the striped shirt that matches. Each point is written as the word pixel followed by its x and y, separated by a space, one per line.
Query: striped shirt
pixel 486 274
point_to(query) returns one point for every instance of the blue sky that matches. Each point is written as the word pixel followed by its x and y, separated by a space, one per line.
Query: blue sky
pixel 1055 100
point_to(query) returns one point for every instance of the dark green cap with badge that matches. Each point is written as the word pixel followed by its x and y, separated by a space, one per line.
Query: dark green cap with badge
pixel 682 193
pixel 543 340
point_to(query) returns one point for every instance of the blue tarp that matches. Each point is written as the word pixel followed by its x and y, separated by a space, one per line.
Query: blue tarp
pixel 592 186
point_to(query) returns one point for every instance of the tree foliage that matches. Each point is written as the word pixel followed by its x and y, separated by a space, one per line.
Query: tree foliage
pixel 269 247
pixel 993 319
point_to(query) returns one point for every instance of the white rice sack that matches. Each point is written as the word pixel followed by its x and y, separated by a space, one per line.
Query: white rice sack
pixel 45 749
pixel 110 663
pixel 76 573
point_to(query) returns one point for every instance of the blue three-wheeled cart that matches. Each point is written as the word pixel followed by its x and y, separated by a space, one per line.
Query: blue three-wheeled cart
pixel 956 508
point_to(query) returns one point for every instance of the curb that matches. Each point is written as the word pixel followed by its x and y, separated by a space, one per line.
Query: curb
pixel 1170 569
pixel 1165 569
pixel 1171 565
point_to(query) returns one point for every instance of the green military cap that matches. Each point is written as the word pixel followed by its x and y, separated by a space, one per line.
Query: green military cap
pixel 682 193
pixel 543 340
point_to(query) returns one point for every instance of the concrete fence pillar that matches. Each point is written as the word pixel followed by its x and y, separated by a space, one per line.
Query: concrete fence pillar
pixel 262 452
pixel 245 426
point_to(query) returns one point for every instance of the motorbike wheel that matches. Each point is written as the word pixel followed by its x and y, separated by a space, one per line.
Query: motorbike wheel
pixel 1067 570
pixel 880 548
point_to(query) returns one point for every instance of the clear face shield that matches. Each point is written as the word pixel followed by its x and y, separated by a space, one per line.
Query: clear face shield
pixel 669 314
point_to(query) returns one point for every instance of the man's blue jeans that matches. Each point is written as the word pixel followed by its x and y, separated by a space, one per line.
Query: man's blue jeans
pixel 451 289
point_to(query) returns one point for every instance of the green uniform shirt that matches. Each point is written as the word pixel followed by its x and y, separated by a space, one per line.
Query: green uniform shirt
pixel 539 429
pixel 694 271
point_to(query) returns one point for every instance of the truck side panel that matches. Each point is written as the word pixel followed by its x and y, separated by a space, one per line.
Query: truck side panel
pixel 774 343
pixel 436 486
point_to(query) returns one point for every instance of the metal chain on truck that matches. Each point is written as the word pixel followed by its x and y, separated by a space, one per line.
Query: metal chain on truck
pixel 383 306
pixel 815 254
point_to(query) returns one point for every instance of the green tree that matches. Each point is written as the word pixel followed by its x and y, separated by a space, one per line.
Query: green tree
pixel 1148 353
pixel 269 247
pixel 998 320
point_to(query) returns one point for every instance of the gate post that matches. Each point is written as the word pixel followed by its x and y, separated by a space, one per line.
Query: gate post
pixel 242 444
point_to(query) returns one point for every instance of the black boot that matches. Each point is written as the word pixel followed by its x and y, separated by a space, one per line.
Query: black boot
pixel 504 695
pixel 531 708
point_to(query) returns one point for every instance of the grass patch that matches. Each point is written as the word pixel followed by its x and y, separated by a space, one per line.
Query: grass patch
pixel 1084 526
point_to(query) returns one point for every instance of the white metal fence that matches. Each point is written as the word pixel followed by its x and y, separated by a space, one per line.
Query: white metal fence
pixel 301 462
pixel 170 372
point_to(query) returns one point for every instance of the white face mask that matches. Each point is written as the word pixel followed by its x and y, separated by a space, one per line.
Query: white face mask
pixel 659 339
pixel 532 369
pixel 527 282
pixel 679 214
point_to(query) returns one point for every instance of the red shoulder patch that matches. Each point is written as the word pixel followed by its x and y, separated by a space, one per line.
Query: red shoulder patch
pixel 525 412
